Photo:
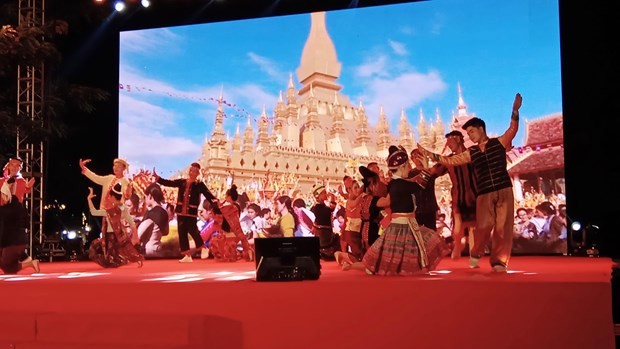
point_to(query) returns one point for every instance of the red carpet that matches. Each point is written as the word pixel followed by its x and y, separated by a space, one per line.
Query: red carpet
pixel 544 302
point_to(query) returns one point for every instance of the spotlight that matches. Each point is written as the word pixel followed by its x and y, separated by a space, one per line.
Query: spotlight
pixel 119 6
pixel 145 3
pixel 575 226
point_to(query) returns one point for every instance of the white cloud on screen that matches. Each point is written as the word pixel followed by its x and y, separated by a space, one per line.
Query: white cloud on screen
pixel 398 48
pixel 147 131
pixel 136 112
pixel 394 84
pixel 151 135
pixel 437 24
pixel 403 91
pixel 373 66
pixel 407 30
pixel 143 41
pixel 268 66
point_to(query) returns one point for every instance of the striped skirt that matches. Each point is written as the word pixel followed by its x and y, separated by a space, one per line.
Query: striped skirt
pixel 405 248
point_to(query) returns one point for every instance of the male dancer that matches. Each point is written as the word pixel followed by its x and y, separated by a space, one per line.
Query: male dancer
pixel 107 182
pixel 426 202
pixel 463 195
pixel 495 201
pixel 188 200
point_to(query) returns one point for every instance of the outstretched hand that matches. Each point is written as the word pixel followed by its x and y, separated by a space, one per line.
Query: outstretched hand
pixel 517 102
pixel 422 150
pixel 83 163
pixel 155 174
pixel 91 194
pixel 30 183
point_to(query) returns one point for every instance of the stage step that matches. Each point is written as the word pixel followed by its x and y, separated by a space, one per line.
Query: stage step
pixel 126 331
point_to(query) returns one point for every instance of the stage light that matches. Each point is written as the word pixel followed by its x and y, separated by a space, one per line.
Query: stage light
pixel 145 3
pixel 119 6
pixel 575 226
pixel 71 235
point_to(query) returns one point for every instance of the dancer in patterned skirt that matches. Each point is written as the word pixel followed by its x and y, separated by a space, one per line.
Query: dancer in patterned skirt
pixel 404 248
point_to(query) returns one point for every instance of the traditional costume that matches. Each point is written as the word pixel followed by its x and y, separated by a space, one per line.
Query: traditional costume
pixel 404 248
pixel 114 249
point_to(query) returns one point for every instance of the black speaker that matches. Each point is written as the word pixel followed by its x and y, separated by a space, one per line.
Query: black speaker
pixel 287 259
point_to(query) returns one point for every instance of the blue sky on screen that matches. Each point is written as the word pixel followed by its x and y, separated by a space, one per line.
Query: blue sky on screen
pixel 406 56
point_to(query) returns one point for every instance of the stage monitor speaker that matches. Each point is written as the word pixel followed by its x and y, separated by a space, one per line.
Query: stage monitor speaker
pixel 287 259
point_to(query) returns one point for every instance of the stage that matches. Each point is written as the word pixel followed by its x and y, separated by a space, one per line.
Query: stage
pixel 543 302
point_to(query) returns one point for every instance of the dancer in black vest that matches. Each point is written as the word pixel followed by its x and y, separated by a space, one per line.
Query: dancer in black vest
pixel 495 200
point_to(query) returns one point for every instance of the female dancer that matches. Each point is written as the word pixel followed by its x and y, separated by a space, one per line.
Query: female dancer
pixel 224 245
pixel 404 248
pixel 114 248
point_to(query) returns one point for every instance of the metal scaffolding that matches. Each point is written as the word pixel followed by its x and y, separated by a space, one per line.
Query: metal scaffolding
pixel 30 94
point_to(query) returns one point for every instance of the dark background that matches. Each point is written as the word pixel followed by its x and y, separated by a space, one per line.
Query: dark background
pixel 589 79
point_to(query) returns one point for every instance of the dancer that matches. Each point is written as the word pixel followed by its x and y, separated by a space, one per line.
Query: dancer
pixel 114 249
pixel 119 168
pixel 404 248
pixel 224 245
pixel 322 227
pixel 188 200
pixel 352 233
pixel 426 202
pixel 463 194
pixel 14 219
pixel 495 200
pixel 370 208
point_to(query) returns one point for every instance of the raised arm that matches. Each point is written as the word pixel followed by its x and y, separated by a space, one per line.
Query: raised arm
pixel 511 132
pixel 91 206
pixel 90 174
pixel 166 182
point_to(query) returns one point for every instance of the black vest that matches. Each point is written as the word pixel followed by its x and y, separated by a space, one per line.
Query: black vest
pixel 490 167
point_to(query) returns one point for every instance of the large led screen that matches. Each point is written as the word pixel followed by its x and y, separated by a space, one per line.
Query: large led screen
pixel 280 104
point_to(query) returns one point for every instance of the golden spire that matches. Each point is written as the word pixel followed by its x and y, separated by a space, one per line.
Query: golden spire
pixel 280 114
pixel 338 117
pixel 218 130
pixel 319 64
pixel 263 129
pixel 362 124
pixel 248 137
pixel 312 120
pixel 462 107
pixel 404 128
pixel 236 144
pixel 384 130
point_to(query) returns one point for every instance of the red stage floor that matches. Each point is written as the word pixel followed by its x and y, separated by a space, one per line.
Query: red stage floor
pixel 543 302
